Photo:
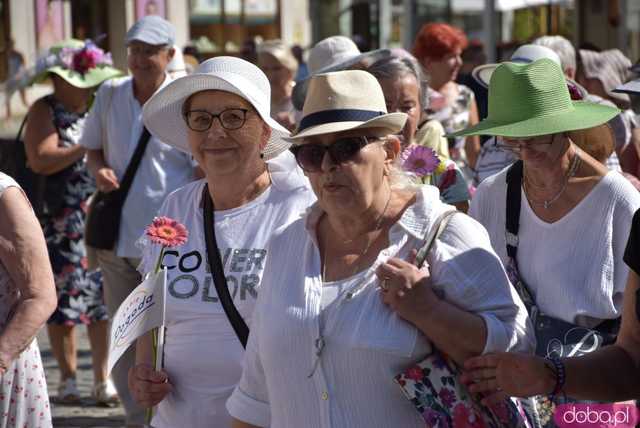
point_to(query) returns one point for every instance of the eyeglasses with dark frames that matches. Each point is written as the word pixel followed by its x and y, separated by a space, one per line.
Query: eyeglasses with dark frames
pixel 310 156
pixel 230 119
pixel 516 145
pixel 145 50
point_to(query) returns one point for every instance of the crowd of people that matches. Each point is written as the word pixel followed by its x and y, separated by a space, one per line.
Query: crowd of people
pixel 346 223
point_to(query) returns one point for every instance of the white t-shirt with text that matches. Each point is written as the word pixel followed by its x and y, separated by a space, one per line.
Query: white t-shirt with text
pixel 203 355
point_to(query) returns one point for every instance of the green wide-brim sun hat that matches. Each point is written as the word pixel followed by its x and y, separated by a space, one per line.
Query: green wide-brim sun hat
pixel 91 78
pixel 528 100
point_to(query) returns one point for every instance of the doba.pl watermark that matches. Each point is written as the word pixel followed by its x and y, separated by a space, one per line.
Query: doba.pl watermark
pixel 575 415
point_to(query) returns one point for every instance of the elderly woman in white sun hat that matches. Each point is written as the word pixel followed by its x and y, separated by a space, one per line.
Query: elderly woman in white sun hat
pixel 334 285
pixel 220 115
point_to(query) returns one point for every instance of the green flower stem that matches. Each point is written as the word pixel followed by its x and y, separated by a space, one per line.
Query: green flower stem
pixel 154 337
pixel 159 262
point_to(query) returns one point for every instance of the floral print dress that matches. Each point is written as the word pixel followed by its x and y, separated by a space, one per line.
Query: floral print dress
pixel 453 117
pixel 80 299
pixel 24 401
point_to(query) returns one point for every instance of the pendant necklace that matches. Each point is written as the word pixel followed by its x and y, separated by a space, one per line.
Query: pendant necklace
pixel 319 343
pixel 575 163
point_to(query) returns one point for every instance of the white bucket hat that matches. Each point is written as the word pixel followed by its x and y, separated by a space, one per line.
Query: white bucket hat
pixel 342 101
pixel 525 54
pixel 329 52
pixel 162 114
pixel 611 67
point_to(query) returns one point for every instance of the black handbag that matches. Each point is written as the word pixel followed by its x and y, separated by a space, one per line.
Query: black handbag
pixel 45 192
pixel 102 225
pixel 554 336
pixel 217 271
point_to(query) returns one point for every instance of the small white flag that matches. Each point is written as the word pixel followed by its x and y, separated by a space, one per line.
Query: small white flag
pixel 141 311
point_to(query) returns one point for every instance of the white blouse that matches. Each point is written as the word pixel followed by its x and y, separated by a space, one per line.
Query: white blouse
pixel 366 344
pixel 574 266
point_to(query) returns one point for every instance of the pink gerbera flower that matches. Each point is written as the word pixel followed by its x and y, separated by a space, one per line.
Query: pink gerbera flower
pixel 420 160
pixel 167 232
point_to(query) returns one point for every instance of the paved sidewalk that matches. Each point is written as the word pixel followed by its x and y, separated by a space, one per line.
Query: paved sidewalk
pixel 9 127
pixel 86 414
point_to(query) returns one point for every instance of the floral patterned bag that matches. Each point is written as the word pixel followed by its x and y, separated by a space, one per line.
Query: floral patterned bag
pixel 433 385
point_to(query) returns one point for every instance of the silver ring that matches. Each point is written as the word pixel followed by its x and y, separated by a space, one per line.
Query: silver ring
pixel 384 285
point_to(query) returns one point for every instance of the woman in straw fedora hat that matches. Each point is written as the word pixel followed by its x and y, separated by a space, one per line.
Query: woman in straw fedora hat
pixel 52 131
pixel 539 213
pixel 220 115
pixel 278 63
pixel 355 312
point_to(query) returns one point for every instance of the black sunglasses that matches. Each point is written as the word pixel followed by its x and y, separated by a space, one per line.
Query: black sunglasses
pixel 310 156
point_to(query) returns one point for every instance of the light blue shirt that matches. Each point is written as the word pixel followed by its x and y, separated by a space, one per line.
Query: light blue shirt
pixel 114 124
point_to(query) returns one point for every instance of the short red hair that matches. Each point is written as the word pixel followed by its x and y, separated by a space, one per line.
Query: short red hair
pixel 437 40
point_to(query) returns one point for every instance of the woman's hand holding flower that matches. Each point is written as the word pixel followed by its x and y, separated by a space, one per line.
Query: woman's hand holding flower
pixel 405 288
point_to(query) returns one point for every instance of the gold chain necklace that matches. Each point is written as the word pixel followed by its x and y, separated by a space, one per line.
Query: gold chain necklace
pixel 320 342
pixel 366 248
pixel 575 163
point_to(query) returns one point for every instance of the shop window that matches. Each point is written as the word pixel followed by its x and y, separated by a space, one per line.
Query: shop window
pixel 225 26
pixel 90 21
pixel 4 40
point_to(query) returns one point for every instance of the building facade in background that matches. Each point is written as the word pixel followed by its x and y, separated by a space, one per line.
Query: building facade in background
pixel 215 27
pixel 501 25
pixel 218 27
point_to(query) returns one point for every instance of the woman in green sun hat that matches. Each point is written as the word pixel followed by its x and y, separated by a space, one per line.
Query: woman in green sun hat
pixel 54 125
pixel 558 219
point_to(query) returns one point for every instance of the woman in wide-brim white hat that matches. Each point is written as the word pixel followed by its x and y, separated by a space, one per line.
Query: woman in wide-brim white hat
pixel 354 311
pixel 220 115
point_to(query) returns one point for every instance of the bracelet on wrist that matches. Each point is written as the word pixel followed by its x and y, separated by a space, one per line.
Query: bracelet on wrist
pixel 557 367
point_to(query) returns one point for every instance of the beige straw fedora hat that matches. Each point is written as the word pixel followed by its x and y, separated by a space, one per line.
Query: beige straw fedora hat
pixel 343 101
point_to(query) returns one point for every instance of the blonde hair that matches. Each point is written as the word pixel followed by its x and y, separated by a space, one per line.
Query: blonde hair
pixel 399 179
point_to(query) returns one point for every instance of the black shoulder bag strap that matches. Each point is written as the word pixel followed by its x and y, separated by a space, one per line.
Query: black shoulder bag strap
pixel 215 264
pixel 130 172
pixel 512 223
pixel 514 182
pixel 22 125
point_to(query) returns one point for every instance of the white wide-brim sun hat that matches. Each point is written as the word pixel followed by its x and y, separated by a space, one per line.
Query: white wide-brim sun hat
pixel 162 114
